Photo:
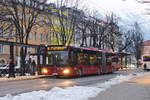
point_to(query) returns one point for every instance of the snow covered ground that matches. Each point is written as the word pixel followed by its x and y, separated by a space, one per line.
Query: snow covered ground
pixel 72 93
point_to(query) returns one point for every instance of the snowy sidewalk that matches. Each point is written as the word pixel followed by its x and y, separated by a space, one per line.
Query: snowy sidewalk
pixel 21 78
pixel 135 89
pixel 119 86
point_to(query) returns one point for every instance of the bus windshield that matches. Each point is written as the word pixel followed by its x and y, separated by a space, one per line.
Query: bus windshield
pixel 146 58
pixel 57 58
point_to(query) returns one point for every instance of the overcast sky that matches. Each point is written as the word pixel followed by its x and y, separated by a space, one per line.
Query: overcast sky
pixel 129 12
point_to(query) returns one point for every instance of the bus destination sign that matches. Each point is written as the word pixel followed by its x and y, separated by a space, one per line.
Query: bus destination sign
pixel 57 48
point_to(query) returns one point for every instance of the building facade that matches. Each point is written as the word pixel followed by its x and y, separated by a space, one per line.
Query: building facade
pixel 146 47
pixel 47 31
pixel 39 34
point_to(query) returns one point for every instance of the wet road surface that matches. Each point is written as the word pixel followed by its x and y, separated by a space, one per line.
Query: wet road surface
pixel 23 86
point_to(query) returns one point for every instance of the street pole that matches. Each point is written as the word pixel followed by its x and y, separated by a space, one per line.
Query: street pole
pixel 12 51
pixel 38 59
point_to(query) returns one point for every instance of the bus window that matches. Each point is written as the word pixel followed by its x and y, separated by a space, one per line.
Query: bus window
pixel 108 60
pixel 86 59
pixel 93 59
pixel 57 58
pixel 114 60
pixel 80 58
pixel 50 59
pixel 72 60
pixel 99 60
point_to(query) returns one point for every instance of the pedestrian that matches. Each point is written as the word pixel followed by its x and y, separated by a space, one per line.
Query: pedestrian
pixel 33 64
pixel 145 66
pixel 11 68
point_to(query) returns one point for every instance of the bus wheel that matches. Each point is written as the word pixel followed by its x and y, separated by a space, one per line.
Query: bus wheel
pixel 57 76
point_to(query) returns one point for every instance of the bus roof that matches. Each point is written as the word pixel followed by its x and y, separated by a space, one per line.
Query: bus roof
pixel 62 47
pixel 93 49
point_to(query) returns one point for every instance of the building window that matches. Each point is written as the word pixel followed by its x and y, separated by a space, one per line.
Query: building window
pixel 11 34
pixel 35 35
pixel 47 20
pixel 47 37
pixel 56 21
pixel 41 37
pixel 1 49
pixel 41 18
pixel 30 36
pixel 52 21
pixel 1 31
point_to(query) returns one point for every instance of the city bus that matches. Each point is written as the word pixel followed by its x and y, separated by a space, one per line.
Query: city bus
pixel 146 61
pixel 77 61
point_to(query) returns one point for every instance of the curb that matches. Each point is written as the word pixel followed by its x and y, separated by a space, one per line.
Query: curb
pixel 19 78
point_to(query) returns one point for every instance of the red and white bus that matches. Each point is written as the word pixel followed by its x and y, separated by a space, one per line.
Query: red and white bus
pixel 78 61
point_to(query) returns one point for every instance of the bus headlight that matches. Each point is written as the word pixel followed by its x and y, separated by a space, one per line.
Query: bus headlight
pixel 44 71
pixel 66 71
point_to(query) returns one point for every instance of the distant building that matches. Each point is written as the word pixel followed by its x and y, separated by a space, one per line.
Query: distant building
pixel 146 47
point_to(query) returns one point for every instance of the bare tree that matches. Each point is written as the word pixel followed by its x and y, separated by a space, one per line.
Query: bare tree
pixel 66 18
pixel 102 34
pixel 22 15
pixel 93 32
pixel 87 29
pixel 125 41
pixel 137 39
pixel 82 33
pixel 112 32
pixel 99 33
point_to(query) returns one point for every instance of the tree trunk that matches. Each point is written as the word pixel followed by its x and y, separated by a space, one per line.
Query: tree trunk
pixel 23 53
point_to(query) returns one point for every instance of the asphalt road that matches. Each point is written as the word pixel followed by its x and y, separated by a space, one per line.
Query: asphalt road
pixel 23 86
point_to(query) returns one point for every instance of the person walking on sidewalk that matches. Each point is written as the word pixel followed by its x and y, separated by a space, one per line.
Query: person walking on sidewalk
pixel 11 68
pixel 33 65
